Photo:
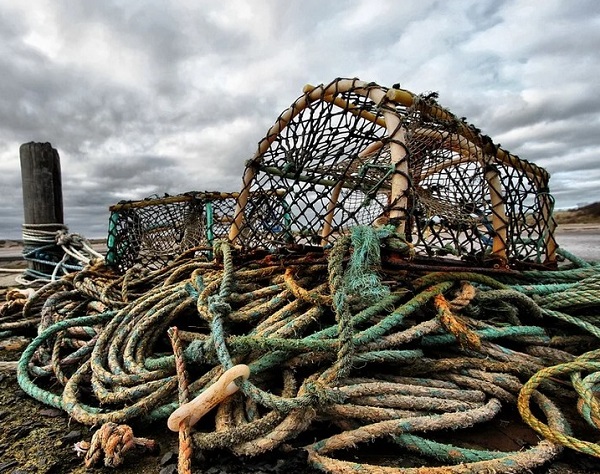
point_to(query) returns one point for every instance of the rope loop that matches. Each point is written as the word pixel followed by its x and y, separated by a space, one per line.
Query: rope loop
pixel 110 442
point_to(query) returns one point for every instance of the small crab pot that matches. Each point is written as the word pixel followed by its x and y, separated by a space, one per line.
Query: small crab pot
pixel 153 232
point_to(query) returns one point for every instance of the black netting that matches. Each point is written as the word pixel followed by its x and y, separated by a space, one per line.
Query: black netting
pixel 318 150
pixel 529 209
pixel 352 153
pixel 154 231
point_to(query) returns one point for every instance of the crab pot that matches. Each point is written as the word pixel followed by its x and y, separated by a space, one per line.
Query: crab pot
pixel 154 231
pixel 354 153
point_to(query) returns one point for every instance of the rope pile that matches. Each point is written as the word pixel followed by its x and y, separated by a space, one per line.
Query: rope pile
pixel 342 346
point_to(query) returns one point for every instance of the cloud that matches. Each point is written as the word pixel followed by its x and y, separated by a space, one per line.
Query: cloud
pixel 172 96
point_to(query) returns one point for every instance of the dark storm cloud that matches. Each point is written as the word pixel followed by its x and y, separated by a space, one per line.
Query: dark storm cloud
pixel 168 26
pixel 11 210
pixel 125 169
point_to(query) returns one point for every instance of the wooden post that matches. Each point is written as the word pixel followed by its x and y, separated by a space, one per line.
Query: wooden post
pixel 42 192
pixel 328 218
pixel 499 218
pixel 42 184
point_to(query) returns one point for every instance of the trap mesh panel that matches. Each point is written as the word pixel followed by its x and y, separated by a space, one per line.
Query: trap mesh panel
pixel 351 153
pixel 318 153
pixel 529 210
pixel 267 220
pixel 450 209
pixel 471 199
pixel 154 231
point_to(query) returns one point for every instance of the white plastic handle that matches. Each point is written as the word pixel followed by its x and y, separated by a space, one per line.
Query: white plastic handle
pixel 192 411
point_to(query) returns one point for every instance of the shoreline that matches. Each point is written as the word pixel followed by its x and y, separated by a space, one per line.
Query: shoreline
pixel 577 227
pixel 575 237
pixel 564 227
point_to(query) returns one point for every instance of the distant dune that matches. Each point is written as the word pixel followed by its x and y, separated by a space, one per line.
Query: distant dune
pixel 589 214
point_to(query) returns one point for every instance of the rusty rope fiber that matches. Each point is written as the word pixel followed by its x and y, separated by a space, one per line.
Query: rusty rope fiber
pixel 184 464
pixel 513 462
pixel 310 338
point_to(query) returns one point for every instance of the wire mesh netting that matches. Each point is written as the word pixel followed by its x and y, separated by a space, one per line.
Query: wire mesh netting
pixel 154 231
pixel 353 153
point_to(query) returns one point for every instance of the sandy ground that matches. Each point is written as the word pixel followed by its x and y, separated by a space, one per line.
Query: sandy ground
pixel 582 240
pixel 9 270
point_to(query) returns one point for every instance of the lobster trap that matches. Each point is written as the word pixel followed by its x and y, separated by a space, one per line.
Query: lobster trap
pixel 154 231
pixel 355 153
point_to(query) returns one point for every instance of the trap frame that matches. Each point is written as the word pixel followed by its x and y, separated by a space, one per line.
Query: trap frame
pixel 355 153
pixel 154 231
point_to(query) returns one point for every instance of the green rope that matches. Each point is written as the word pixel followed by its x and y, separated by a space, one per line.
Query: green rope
pixel 360 279
pixel 23 377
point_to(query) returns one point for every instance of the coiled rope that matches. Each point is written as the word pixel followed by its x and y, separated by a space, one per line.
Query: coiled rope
pixel 380 354
pixel 54 251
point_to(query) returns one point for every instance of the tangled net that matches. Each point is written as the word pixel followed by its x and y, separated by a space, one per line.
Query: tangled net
pixel 389 276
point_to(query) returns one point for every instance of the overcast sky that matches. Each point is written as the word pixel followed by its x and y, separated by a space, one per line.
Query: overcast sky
pixel 144 97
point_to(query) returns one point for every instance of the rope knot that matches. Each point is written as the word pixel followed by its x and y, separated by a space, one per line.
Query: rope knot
pixel 62 237
pixel 111 441
pixel 14 294
pixel 218 305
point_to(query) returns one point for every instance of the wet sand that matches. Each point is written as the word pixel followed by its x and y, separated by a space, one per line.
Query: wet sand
pixel 582 240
